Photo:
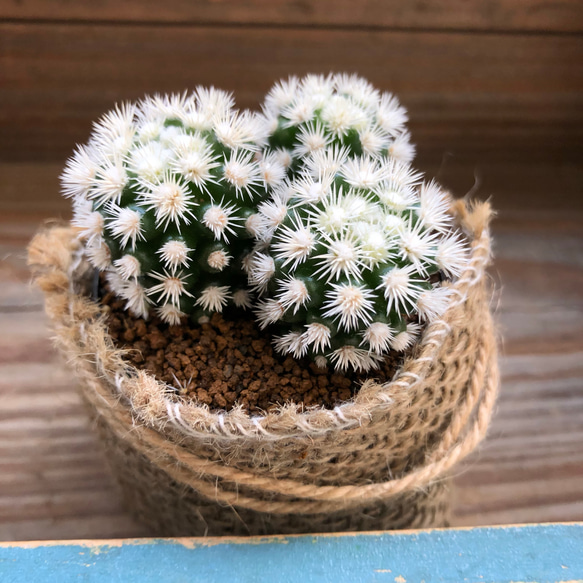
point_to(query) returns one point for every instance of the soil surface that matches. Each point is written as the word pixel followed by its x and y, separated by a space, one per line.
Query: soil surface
pixel 224 363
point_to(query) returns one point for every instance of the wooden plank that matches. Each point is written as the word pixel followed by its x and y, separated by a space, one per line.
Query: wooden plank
pixel 561 512
pixel 491 96
pixel 62 503
pixel 534 15
pixel 39 193
pixel 534 493
pixel 526 553
pixel 103 525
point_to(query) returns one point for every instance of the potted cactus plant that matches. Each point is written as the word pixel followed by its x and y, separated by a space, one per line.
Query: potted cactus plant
pixel 300 246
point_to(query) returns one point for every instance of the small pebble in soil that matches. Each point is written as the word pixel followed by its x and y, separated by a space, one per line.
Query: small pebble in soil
pixel 224 363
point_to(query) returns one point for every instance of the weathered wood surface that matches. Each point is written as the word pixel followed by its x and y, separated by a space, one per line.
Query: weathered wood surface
pixel 506 15
pixel 54 483
pixel 491 555
pixel 493 95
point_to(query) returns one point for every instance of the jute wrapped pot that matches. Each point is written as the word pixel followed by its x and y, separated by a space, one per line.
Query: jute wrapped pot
pixel 379 461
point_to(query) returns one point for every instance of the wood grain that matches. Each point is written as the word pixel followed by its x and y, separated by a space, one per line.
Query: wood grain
pixel 509 15
pixel 54 481
pixel 493 97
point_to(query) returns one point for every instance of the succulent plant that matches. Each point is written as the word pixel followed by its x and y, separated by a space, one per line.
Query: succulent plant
pixel 351 244
pixel 163 194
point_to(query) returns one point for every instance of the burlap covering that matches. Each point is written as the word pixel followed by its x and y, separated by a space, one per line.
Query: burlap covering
pixel 379 461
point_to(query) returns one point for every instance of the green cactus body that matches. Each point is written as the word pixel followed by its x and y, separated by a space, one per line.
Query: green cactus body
pixel 165 196
pixel 348 244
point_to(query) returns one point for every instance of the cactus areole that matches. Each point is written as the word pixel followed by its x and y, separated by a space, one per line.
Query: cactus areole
pixel 308 214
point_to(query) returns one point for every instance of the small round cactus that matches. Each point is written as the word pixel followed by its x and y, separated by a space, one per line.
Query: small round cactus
pixel 164 197
pixel 350 246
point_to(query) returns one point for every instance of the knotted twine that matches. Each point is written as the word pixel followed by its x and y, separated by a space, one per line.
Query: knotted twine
pixel 389 441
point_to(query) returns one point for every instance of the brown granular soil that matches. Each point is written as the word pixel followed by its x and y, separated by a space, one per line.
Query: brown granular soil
pixel 224 363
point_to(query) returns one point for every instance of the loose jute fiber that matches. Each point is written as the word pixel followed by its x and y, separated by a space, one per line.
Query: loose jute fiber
pixel 379 461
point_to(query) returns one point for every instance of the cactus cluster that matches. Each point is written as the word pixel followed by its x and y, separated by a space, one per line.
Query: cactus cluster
pixel 162 196
pixel 309 214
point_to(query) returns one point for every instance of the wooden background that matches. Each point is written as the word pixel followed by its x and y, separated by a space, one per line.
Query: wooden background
pixel 495 93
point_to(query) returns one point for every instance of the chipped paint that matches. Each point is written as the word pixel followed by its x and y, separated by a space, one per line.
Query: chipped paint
pixel 518 554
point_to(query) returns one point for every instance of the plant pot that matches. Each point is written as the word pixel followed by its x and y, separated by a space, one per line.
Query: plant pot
pixel 380 461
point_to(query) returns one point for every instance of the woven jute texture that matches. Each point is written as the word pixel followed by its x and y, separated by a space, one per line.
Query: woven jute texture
pixel 379 461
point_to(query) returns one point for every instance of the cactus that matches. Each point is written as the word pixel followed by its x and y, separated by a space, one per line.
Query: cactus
pixel 350 244
pixel 164 198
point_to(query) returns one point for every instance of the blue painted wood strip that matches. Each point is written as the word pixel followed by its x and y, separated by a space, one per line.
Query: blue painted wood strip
pixel 540 553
